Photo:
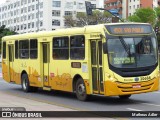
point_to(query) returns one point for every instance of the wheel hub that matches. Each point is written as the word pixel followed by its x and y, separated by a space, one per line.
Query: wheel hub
pixel 24 84
pixel 81 89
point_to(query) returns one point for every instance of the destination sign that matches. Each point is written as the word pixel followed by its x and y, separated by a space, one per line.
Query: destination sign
pixel 129 29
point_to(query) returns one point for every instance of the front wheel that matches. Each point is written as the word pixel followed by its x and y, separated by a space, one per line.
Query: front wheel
pixel 81 90
pixel 26 85
pixel 124 96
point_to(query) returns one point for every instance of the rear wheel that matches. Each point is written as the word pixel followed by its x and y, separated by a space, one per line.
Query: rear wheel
pixel 26 85
pixel 124 96
pixel 81 90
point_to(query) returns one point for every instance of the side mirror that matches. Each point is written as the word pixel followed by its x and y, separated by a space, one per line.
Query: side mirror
pixel 105 47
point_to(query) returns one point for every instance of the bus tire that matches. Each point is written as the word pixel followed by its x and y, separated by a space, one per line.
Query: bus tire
pixel 25 83
pixel 81 90
pixel 124 96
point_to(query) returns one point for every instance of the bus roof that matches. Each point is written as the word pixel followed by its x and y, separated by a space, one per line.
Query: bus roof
pixel 66 31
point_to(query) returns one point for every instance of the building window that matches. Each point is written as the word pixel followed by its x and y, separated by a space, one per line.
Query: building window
pixel 41 5
pixel 25 26
pixel 61 48
pixel 41 23
pixel 24 49
pixel 80 6
pixel 93 5
pixel 68 13
pixel 56 22
pixel 77 44
pixel 41 14
pixel 29 17
pixel 4 50
pixel 21 27
pixel 29 25
pixel 56 13
pixel 56 3
pixel 32 7
pixel 33 48
pixel 17 27
pixel 36 6
pixel 33 16
pixel 16 49
pixel 32 24
pixel 69 5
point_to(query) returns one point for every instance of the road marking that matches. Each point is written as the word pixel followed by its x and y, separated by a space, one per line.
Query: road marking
pixel 134 109
pixel 151 104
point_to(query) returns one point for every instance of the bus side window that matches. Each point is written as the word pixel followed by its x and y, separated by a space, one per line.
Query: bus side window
pixel 77 44
pixel 4 50
pixel 33 48
pixel 16 49
pixel 60 48
pixel 24 49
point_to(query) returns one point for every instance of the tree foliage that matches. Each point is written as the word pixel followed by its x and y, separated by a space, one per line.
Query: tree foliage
pixel 157 9
pixel 5 32
pixel 82 19
pixel 145 15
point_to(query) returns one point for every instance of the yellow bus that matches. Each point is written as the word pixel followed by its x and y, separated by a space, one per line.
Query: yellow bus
pixel 116 59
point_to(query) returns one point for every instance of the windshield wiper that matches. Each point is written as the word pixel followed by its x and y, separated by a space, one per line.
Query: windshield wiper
pixel 127 49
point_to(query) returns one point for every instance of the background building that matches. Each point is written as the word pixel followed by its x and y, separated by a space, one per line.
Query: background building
pixel 128 7
pixel 37 15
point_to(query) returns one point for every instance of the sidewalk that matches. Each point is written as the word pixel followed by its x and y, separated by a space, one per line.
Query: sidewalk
pixel 8 100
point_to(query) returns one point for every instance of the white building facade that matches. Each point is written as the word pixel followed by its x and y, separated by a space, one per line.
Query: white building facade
pixel 25 16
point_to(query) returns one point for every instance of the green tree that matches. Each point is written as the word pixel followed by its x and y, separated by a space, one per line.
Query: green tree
pixel 82 19
pixel 5 32
pixel 157 9
pixel 145 15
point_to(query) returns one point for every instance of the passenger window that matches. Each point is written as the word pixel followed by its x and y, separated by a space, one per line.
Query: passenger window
pixel 16 49
pixel 77 44
pixel 33 48
pixel 24 49
pixel 61 48
pixel 4 50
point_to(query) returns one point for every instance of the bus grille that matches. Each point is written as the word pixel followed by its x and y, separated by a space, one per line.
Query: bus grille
pixel 129 88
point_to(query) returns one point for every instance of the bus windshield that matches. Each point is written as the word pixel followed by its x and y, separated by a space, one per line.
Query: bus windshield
pixel 132 52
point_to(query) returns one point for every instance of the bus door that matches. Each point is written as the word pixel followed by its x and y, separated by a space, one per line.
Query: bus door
pixel 46 58
pixel 96 66
pixel 11 61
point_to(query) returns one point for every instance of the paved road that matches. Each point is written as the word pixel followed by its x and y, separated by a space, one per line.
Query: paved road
pixel 139 102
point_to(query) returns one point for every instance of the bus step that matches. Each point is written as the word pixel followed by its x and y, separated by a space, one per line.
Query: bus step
pixel 47 88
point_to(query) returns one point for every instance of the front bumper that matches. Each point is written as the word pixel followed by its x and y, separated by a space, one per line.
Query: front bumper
pixel 116 88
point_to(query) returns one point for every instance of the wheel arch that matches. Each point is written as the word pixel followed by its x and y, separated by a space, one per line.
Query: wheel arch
pixel 23 72
pixel 75 78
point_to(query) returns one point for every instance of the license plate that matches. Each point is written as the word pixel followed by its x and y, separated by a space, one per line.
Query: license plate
pixel 136 86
